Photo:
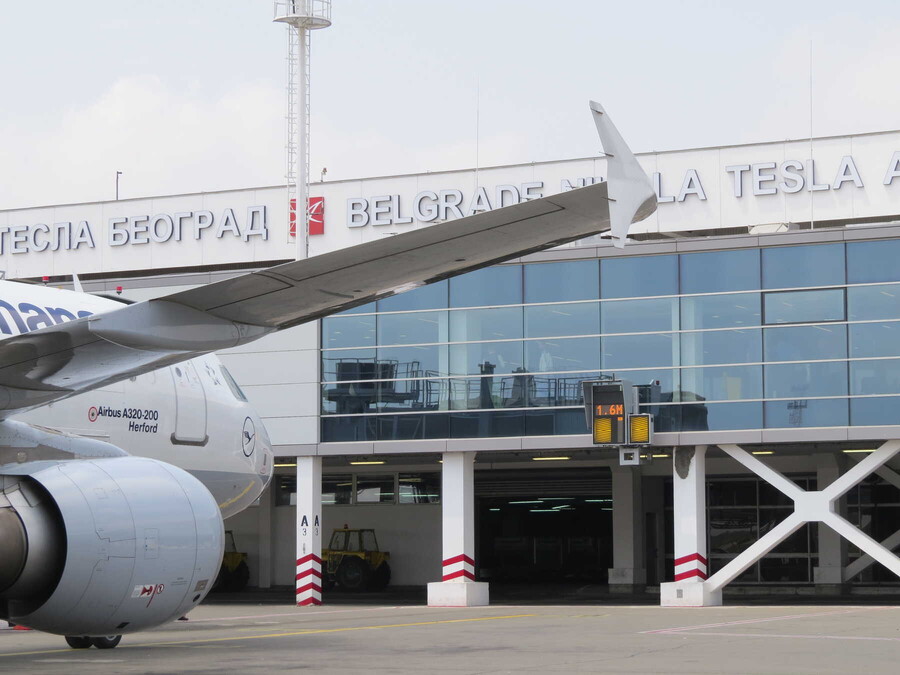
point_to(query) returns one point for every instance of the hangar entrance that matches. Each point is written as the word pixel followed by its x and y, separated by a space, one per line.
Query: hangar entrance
pixel 544 526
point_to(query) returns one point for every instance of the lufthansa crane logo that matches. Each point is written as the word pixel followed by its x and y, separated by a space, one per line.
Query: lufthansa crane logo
pixel 248 437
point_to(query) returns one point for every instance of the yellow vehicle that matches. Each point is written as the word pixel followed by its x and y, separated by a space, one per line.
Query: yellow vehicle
pixel 353 561
pixel 234 573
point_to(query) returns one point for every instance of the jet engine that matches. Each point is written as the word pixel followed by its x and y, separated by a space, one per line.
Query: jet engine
pixel 98 547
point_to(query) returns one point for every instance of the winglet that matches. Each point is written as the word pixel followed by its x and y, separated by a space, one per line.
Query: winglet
pixel 631 194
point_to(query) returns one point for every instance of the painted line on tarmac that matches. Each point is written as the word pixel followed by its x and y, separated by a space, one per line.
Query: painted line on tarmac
pixel 723 624
pixel 766 636
pixel 307 611
pixel 314 631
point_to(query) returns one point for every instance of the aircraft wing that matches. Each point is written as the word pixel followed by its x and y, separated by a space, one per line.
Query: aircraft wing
pixel 77 356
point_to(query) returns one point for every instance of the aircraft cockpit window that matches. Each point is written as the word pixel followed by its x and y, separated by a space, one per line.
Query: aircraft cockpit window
pixel 235 389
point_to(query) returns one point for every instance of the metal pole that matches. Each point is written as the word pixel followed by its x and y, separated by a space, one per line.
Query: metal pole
pixel 118 173
pixel 302 220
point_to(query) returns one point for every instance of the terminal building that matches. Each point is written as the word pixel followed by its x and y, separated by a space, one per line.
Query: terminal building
pixel 757 313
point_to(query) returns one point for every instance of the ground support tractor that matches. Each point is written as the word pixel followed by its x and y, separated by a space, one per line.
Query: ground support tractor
pixel 353 561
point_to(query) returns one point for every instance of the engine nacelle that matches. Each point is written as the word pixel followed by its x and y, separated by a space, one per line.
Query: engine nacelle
pixel 104 546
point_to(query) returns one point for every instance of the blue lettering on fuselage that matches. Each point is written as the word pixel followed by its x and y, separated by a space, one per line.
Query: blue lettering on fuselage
pixel 28 317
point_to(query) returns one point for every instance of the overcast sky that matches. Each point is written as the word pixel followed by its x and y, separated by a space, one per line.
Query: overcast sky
pixel 187 96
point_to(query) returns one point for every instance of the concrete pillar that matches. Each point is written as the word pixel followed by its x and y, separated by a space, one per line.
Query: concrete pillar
pixel 458 587
pixel 828 575
pixel 627 574
pixel 264 527
pixel 691 555
pixel 309 531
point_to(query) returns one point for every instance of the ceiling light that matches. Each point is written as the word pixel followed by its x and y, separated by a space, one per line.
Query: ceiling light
pixel 763 452
pixel 366 463
pixel 283 465
pixel 550 459
pixel 849 452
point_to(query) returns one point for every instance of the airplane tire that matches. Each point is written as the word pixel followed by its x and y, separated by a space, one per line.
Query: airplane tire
pixel 353 574
pixel 78 642
pixel 108 642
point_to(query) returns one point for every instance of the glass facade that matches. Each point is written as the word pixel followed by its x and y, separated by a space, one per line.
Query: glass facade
pixel 778 337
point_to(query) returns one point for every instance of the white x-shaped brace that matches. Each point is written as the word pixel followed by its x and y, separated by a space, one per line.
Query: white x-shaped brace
pixel 809 507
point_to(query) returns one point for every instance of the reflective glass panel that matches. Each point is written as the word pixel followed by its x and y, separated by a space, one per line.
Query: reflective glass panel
pixel 732 530
pixel 420 488
pixel 873 261
pixel 720 416
pixel 336 429
pixel 432 296
pixel 654 386
pixel 806 413
pixel 554 422
pixel 789 380
pixel 721 311
pixel 398 395
pixel 477 393
pixel 558 390
pixel 418 361
pixel 719 271
pixel 798 266
pixel 499 323
pixel 875 339
pixel 500 285
pixel 639 316
pixel 368 308
pixel 487 424
pixel 348 331
pixel 873 302
pixel 560 281
pixel 636 351
pixel 412 328
pixel 804 306
pixel 581 318
pixel 337 488
pixel 867 412
pixel 639 276
pixel 336 365
pixel 726 383
pixel 486 358
pixel 803 343
pixel 375 488
pixel 721 346
pixel 875 377
pixel 550 355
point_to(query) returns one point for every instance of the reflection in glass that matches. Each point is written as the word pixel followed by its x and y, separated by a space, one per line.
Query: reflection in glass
pixel 555 422
pixel 802 343
pixel 420 488
pixel 875 377
pixel 542 356
pixel 638 316
pixel 873 302
pixel 582 318
pixel 487 358
pixel 561 281
pixel 500 285
pixel 798 380
pixel 413 361
pixel 718 271
pixel 865 412
pixel 804 306
pixel 348 331
pixel 721 346
pixel 721 416
pixel 337 488
pixel 721 311
pixel 432 296
pixel 496 323
pixel 412 328
pixel 637 277
pixel 873 261
pixel 875 339
pixel 727 383
pixel 479 393
pixel 636 351
pixel 375 488
pixel 732 530
pixel 487 424
pixel 806 413
pixel 334 363
pixel 799 266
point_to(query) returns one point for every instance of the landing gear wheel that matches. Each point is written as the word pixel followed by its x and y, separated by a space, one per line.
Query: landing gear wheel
pixel 108 642
pixel 381 578
pixel 353 574
pixel 76 642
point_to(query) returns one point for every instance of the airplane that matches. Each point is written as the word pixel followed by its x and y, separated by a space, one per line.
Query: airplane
pixel 124 442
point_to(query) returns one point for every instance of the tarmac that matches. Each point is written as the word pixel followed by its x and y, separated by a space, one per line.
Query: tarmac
pixel 346 637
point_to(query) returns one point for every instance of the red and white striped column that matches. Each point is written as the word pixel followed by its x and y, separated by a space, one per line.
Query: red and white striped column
pixel 689 502
pixel 309 531
pixel 458 587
